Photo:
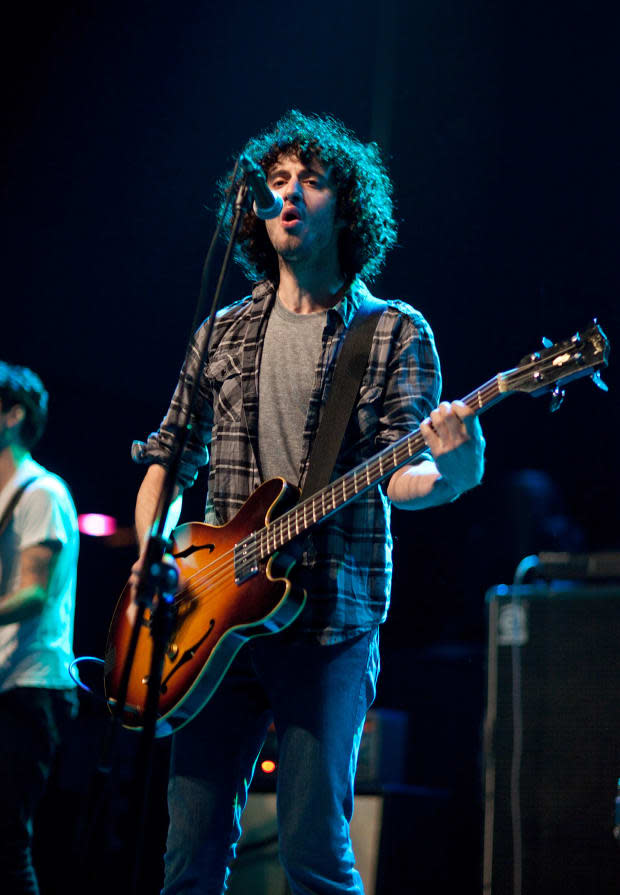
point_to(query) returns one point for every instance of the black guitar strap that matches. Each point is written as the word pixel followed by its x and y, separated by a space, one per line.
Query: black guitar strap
pixel 350 366
pixel 10 507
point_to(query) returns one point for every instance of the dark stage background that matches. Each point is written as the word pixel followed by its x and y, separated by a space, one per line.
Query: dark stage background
pixel 500 126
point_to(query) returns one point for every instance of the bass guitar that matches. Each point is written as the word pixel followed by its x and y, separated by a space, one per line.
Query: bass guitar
pixel 234 582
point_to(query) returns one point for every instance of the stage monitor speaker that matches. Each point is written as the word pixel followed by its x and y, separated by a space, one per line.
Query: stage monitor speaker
pixel 552 735
pixel 381 760
pixel 399 839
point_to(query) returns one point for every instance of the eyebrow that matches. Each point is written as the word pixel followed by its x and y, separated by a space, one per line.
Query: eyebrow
pixel 306 169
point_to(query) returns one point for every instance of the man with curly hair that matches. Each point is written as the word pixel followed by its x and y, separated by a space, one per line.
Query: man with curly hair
pixel 39 543
pixel 266 382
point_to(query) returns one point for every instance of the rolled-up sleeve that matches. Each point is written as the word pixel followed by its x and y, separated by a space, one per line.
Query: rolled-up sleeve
pixel 160 445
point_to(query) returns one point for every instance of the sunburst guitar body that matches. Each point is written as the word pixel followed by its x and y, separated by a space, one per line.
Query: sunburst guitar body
pixel 214 612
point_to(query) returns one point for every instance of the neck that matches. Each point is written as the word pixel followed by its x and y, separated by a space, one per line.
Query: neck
pixel 307 290
pixel 11 458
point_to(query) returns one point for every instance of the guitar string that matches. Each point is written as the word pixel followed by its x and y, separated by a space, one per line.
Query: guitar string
pixel 275 533
pixel 211 575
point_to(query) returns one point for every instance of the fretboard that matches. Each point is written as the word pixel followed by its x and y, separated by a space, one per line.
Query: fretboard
pixel 344 490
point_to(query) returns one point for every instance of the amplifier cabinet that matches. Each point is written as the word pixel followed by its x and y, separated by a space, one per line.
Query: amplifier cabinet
pixel 552 740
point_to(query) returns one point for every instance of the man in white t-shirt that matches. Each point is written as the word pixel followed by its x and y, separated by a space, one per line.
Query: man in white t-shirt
pixel 38 562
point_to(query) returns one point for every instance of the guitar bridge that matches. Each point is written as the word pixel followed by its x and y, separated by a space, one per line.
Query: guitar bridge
pixel 246 560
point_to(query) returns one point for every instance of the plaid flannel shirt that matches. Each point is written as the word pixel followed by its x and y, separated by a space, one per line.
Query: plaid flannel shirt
pixel 346 566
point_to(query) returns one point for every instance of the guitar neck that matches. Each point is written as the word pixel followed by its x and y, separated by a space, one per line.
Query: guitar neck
pixel 349 487
pixel 537 373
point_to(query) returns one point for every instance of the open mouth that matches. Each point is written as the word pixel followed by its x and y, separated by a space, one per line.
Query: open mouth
pixel 290 214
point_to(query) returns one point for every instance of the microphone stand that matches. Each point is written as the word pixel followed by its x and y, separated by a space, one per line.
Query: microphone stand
pixel 158 577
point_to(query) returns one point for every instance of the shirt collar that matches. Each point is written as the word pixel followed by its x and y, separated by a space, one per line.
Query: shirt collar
pixel 345 308
pixel 350 301
pixel 263 290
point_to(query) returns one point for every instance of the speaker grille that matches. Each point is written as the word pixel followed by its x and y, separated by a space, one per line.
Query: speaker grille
pixel 554 688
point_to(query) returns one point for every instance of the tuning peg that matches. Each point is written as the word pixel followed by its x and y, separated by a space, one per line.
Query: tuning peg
pixel 598 382
pixel 547 343
pixel 557 396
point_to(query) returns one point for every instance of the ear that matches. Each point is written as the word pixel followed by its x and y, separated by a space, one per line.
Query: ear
pixel 15 415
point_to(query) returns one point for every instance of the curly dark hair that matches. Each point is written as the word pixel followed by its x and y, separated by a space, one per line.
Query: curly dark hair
pixel 19 385
pixel 364 194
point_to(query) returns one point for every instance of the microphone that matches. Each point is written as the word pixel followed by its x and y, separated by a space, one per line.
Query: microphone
pixel 267 204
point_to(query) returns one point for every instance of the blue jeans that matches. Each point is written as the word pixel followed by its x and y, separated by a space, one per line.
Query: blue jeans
pixel 33 722
pixel 318 697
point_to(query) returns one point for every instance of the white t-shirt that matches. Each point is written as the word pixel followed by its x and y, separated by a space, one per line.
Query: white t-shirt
pixel 37 652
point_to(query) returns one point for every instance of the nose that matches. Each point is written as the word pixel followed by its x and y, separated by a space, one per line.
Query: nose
pixel 293 190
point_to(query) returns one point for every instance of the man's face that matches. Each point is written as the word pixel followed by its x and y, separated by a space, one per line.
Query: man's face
pixel 307 229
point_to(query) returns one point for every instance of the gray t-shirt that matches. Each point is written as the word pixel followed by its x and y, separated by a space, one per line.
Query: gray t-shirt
pixel 288 370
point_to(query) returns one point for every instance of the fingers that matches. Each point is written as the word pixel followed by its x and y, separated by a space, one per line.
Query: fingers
pixel 456 409
pixel 135 574
pixel 147 584
pixel 449 423
pixel 454 437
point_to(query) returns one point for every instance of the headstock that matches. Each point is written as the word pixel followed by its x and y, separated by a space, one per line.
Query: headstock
pixel 551 368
